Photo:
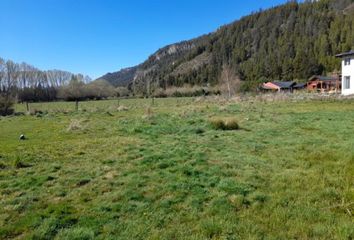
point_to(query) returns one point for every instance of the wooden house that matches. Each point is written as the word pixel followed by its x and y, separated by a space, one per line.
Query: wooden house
pixel 324 84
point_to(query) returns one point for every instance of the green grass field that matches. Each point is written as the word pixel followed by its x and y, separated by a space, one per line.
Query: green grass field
pixel 162 171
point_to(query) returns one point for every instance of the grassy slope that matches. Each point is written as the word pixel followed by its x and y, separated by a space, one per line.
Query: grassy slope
pixel 167 175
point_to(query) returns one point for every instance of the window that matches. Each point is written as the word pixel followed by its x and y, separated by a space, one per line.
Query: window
pixel 346 82
pixel 346 61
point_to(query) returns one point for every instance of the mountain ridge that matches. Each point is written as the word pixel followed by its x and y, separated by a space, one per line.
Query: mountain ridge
pixel 290 41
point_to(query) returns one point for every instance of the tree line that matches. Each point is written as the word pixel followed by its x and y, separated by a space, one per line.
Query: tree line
pixel 26 83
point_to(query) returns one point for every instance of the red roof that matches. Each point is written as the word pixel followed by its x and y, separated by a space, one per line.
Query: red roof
pixel 270 86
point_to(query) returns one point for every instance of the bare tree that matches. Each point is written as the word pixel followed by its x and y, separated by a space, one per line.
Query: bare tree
pixel 229 81
pixel 63 78
pixel 25 71
pixel 52 78
pixel 2 73
pixel 12 73
pixel 79 77
pixel 9 78
pixel 87 79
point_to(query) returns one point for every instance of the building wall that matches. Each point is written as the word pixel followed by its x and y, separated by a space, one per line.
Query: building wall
pixel 348 71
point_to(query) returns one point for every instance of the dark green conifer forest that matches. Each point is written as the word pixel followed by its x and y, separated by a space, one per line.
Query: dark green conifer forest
pixel 290 42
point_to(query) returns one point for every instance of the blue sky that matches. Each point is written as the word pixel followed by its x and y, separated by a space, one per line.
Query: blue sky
pixel 98 36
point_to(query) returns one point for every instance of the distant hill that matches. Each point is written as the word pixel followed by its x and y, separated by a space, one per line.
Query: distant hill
pixel 291 41
pixel 121 78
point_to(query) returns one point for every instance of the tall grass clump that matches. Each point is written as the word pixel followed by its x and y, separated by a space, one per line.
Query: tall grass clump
pixel 225 124
pixel 20 164
pixel 122 108
pixel 75 125
pixel 148 113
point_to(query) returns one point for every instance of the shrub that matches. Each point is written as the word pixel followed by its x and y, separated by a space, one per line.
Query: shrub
pixel 224 124
pixel 122 92
pixel 6 105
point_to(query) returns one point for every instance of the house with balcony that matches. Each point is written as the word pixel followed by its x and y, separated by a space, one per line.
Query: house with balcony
pixel 347 72
pixel 324 84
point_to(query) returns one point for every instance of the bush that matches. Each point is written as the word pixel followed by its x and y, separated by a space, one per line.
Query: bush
pixel 6 105
pixel 122 92
pixel 224 124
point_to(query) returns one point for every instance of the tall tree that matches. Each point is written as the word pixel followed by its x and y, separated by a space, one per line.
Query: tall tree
pixel 74 91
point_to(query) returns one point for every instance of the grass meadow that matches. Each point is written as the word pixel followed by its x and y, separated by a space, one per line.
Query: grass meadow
pixel 133 170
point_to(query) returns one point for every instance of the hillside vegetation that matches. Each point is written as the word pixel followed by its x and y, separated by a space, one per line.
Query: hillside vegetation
pixel 166 171
pixel 291 41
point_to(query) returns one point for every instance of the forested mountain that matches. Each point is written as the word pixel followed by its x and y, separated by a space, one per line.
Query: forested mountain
pixel 291 41
pixel 121 78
